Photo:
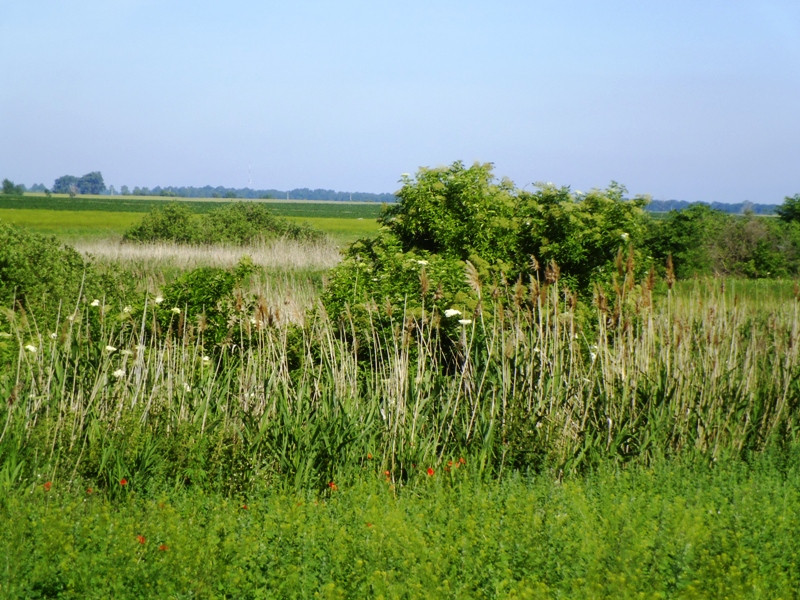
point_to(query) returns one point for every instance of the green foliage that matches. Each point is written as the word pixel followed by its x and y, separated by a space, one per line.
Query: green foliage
pixel 456 212
pixel 10 189
pixel 703 241
pixel 43 277
pixel 459 236
pixel 581 234
pixel 172 222
pixel 208 297
pixel 789 211
pixel 237 223
pixel 91 183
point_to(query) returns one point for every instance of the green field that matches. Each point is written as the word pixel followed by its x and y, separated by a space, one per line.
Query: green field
pixel 143 204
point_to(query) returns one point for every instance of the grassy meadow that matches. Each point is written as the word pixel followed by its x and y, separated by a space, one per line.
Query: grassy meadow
pixel 530 449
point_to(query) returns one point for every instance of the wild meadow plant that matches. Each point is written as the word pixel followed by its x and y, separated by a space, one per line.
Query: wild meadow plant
pixel 525 382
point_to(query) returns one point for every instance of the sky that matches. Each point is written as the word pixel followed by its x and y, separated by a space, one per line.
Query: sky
pixel 692 100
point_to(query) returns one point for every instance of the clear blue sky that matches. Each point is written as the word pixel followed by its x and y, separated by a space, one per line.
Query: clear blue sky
pixel 686 99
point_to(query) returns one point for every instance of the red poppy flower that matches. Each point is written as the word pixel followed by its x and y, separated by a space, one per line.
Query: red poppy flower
pixel 430 471
pixel 163 547
pixel 461 461
pixel 333 486
pixel 123 482
pixel 369 455
pixel 141 539
pixel 244 506
pixel 89 490
pixel 47 486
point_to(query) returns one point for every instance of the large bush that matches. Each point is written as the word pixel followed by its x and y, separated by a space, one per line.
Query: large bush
pixel 459 233
pixel 237 223
pixel 43 277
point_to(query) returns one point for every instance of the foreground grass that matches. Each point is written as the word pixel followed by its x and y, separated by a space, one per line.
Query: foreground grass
pixel 674 530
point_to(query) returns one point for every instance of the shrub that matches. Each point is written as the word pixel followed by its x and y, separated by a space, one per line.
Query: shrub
pixel 474 234
pixel 238 223
pixel 41 276
pixel 704 241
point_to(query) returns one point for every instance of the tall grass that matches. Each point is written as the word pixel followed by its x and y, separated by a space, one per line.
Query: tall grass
pixel 528 384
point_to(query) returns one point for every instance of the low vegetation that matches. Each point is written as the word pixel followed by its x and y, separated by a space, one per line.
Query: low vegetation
pixel 238 223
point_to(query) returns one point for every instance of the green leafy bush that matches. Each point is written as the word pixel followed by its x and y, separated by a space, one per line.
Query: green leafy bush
pixel 473 234
pixel 43 277
pixel 704 241
pixel 172 222
pixel 237 223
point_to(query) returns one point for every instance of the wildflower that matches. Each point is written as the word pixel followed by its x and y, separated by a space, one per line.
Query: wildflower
pixel 387 473
pixel 119 373
pixel 127 310
pixel 333 486
pixel 89 491
pixel 126 352
pixel 464 321
pixel 176 310
pixel 111 349
pixel 163 548
pixel 625 236
pixel 53 335
pixel 123 482
pixel 206 359
pixel 369 524
pixel 452 312
pixel 593 356
pixel 47 485
pixel 31 348
pixel 244 506
pixel 369 455
pixel 430 471
pixel 95 302
pixel 462 460
pixel 422 262
pixel 187 387
pixel 141 539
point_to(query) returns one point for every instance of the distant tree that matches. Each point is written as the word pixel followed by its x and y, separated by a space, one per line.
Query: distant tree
pixel 62 184
pixel 10 188
pixel 790 209
pixel 92 183
pixel 124 190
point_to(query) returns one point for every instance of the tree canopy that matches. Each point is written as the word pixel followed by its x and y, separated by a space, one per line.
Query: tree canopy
pixel 91 183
